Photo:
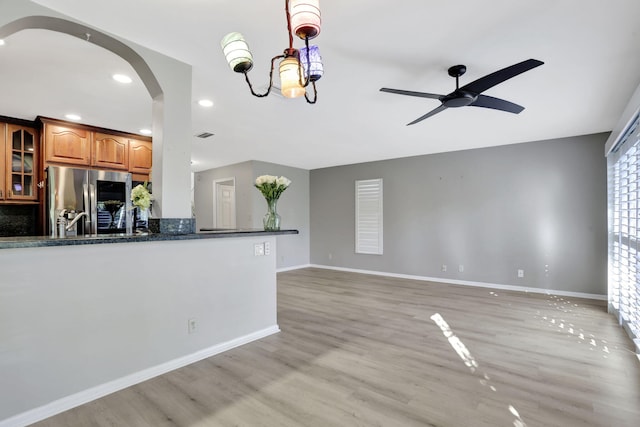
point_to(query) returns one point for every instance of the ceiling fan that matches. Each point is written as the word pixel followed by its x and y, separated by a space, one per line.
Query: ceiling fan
pixel 471 94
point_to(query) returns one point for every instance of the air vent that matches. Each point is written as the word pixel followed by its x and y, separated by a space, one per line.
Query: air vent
pixel 204 135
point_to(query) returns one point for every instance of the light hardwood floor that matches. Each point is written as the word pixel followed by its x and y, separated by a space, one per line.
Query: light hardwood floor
pixel 360 350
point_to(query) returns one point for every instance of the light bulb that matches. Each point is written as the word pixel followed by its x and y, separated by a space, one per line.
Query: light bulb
pixel 290 76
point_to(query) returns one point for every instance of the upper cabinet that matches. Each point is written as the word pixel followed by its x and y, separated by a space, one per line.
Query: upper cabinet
pixel 65 144
pixel 140 156
pixel 85 146
pixel 3 163
pixel 110 151
pixel 18 170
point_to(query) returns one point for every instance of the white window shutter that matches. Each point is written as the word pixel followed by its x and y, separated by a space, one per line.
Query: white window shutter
pixel 369 216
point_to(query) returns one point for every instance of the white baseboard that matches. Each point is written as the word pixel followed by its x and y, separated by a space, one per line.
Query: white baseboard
pixel 295 267
pixel 469 283
pixel 86 396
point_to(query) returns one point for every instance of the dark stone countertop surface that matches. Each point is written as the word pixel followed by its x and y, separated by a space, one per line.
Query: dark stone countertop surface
pixel 44 241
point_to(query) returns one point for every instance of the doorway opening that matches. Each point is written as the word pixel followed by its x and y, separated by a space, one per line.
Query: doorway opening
pixel 224 203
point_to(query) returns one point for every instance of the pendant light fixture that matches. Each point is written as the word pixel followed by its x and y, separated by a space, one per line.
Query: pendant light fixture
pixel 298 69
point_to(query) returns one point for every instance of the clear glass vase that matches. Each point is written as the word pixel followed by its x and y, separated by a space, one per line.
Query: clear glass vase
pixel 271 220
pixel 141 220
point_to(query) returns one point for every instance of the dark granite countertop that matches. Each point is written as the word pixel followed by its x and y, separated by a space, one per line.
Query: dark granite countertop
pixel 42 241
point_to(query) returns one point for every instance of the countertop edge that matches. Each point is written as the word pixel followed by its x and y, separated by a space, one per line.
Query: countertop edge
pixel 44 241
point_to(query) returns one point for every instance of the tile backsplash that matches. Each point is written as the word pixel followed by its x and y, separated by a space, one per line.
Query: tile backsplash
pixel 18 220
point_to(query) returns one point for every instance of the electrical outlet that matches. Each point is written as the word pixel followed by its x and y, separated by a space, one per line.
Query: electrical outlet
pixel 267 248
pixel 520 273
pixel 192 325
pixel 460 268
pixel 444 267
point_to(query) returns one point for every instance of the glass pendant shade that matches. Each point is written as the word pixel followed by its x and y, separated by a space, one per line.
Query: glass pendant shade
pixel 305 18
pixel 311 63
pixel 236 51
pixel 290 77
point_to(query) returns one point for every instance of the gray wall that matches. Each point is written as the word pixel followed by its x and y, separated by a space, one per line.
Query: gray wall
pixel 203 194
pixel 293 205
pixel 493 210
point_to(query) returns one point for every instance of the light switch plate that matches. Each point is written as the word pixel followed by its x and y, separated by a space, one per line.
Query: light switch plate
pixel 258 249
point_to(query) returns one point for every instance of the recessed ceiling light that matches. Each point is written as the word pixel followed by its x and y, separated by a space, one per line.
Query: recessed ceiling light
pixel 205 103
pixel 146 131
pixel 73 117
pixel 1 42
pixel 122 78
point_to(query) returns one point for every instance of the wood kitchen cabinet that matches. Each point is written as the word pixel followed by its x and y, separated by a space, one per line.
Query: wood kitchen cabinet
pixel 140 157
pixel 66 144
pixel 110 151
pixel 18 163
pixel 84 146
pixel 3 163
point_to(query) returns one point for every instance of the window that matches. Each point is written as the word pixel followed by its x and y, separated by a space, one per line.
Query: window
pixel 624 235
pixel 369 216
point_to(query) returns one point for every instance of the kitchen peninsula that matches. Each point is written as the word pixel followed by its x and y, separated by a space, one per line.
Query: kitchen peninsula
pixel 44 241
pixel 85 316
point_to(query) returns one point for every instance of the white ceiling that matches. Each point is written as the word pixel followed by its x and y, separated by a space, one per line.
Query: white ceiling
pixel 590 50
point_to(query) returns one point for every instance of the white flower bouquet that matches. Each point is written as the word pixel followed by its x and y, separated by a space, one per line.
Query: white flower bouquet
pixel 271 186
pixel 140 196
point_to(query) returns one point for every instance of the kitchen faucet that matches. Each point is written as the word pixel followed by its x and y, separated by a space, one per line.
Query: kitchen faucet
pixel 73 222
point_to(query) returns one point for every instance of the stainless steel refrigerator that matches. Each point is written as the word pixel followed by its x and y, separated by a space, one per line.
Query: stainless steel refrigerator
pixel 88 202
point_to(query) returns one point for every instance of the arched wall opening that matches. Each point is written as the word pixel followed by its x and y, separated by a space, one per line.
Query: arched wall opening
pixel 90 35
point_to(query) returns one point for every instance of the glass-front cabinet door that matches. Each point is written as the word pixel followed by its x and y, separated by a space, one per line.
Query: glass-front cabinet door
pixel 21 163
pixel 3 163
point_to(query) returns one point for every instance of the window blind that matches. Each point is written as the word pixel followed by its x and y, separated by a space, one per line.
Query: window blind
pixel 624 234
pixel 369 216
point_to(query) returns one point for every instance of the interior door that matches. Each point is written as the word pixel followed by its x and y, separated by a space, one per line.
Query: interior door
pixel 225 206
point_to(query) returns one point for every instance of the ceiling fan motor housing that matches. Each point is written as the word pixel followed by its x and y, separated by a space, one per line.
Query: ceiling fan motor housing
pixel 459 98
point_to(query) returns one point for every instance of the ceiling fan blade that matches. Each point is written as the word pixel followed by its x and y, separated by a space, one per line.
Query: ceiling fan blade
pixel 429 114
pixel 490 80
pixel 411 93
pixel 496 104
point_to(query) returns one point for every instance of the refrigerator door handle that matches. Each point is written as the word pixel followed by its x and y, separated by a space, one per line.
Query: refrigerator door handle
pixel 90 200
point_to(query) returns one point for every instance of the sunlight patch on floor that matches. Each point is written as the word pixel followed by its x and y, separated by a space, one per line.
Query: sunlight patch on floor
pixel 564 326
pixel 470 361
